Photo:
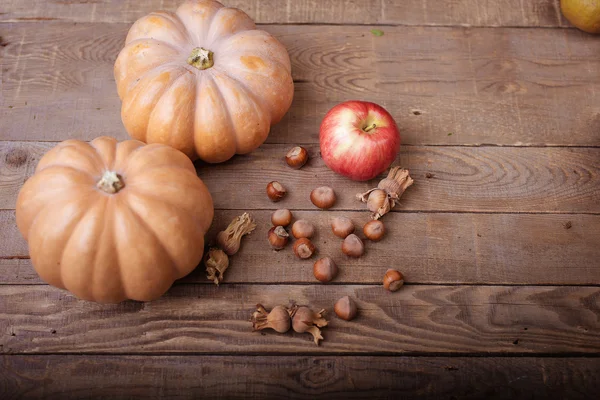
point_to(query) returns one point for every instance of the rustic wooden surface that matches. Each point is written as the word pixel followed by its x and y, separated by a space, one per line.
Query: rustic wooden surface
pixel 499 109
pixel 297 377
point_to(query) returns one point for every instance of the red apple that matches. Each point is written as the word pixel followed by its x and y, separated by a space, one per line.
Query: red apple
pixel 359 139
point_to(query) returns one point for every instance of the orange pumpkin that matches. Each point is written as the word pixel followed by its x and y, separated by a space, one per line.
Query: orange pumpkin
pixel 203 80
pixel 112 221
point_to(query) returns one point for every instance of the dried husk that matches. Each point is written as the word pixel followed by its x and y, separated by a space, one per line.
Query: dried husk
pixel 216 262
pixel 383 198
pixel 306 320
pixel 277 319
pixel 229 239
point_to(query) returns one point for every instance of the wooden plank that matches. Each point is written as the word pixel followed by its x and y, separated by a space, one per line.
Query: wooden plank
pixel 463 179
pixel 371 12
pixel 443 85
pixel 211 319
pixel 297 377
pixel 427 248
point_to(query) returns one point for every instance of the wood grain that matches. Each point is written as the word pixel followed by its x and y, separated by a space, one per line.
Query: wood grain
pixel 442 85
pixel 427 248
pixel 296 377
pixel 371 12
pixel 463 179
pixel 210 319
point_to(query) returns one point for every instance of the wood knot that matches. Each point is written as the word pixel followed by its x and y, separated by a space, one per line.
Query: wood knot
pixel 321 374
pixel 16 157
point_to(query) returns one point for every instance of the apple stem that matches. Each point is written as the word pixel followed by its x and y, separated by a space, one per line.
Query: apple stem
pixel 369 128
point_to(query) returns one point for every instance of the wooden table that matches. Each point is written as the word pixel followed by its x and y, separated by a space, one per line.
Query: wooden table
pixel 499 109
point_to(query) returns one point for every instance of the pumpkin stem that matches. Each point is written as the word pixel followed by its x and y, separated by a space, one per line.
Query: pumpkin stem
pixel 111 182
pixel 201 58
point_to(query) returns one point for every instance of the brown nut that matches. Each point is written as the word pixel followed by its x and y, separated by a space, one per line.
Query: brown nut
pixel 325 269
pixel 303 229
pixel 281 217
pixel 393 280
pixel 345 308
pixel 342 227
pixel 323 197
pixel 303 248
pixel 374 230
pixel 296 157
pixel 275 191
pixel 278 237
pixel 352 246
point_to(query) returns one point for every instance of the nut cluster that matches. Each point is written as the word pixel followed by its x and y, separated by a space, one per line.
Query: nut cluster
pixel 380 200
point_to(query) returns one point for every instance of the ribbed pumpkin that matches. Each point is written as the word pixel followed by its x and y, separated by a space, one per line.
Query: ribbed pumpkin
pixel 112 221
pixel 203 80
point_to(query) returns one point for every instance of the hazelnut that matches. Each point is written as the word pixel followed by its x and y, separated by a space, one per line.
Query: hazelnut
pixel 282 217
pixel 393 280
pixel 325 269
pixel 323 197
pixel 342 227
pixel 278 237
pixel 345 308
pixel 296 157
pixel 275 191
pixel 374 230
pixel 303 229
pixel 352 246
pixel 303 248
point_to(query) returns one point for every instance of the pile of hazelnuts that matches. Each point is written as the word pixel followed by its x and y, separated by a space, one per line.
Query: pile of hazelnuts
pixel 324 269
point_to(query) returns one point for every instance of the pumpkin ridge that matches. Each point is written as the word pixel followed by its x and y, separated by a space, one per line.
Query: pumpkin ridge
pixel 94 178
pixel 25 230
pixel 257 99
pixel 113 244
pixel 135 188
pixel 223 42
pixel 208 23
pixel 159 99
pixel 158 42
pixel 226 107
pixel 180 269
pixel 149 148
pixel 100 153
pixel 94 267
pixel 69 235
pixel 93 158
pixel 173 65
pixel 140 91
pixel 210 33
pixel 149 229
pixel 248 71
pixel 169 16
pixel 258 109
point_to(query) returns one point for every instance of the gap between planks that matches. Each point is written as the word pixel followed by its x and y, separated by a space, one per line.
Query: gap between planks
pixel 300 143
pixel 302 283
pixel 400 25
pixel 416 354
